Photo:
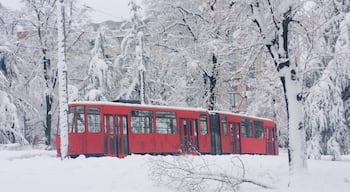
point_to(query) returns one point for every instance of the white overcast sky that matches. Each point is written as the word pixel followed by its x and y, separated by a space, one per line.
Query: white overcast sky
pixel 102 9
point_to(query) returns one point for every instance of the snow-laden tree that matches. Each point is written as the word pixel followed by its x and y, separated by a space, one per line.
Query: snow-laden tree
pixel 79 43
pixel 130 63
pixel 37 45
pixel 273 20
pixel 342 47
pixel 193 39
pixel 99 81
pixel 12 107
pixel 307 42
pixel 346 99
pixel 13 101
pixel 10 128
pixel 325 78
pixel 197 51
pixel 325 117
pixel 39 20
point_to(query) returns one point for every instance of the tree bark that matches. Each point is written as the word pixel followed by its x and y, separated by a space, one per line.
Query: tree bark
pixel 212 83
pixel 292 88
pixel 293 96
pixel 48 95
pixel 62 80
pixel 48 99
pixel 296 131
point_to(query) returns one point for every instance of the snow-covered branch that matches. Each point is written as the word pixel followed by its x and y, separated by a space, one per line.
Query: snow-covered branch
pixel 189 173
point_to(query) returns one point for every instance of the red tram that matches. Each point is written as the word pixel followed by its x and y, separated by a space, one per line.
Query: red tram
pixel 119 129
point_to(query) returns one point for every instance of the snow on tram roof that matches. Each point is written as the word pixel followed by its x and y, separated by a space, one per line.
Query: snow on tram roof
pixel 135 104
pixel 241 115
pixel 164 107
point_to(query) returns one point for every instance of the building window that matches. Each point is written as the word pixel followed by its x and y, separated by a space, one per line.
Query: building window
pixel 258 129
pixel 224 126
pixel 234 98
pixel 94 120
pixel 166 122
pixel 203 124
pixel 246 128
pixel 141 121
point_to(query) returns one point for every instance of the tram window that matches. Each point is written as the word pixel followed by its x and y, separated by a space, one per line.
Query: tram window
pixel 79 120
pixel 166 122
pixel 258 129
pixel 94 120
pixel 141 121
pixel 203 124
pixel 246 128
pixel 224 125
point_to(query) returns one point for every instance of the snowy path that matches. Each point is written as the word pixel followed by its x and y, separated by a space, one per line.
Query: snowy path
pixel 38 170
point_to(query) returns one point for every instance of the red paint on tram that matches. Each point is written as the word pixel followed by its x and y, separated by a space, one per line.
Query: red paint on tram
pixel 119 129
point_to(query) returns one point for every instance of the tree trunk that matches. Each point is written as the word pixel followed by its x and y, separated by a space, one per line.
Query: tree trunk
pixel 212 83
pixel 292 88
pixel 296 140
pixel 48 96
pixel 47 77
pixel 346 99
pixel 141 68
pixel 48 99
pixel 62 80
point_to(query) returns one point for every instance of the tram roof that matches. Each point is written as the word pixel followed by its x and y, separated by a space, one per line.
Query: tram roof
pixel 108 103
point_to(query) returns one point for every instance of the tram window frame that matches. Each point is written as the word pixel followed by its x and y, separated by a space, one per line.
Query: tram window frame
pixel 166 122
pixel 94 120
pixel 70 116
pixel 258 129
pixel 203 119
pixel 141 121
pixel 79 120
pixel 246 127
pixel 224 126
pixel 195 129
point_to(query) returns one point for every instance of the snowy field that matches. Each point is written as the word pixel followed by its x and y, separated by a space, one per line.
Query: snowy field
pixel 40 170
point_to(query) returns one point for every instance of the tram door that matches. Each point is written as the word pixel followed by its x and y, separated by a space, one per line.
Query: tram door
pixel 116 135
pixel 235 137
pixel 270 144
pixel 188 136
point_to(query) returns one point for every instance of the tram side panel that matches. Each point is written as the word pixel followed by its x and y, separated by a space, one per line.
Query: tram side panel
pixel 253 140
pixel 204 141
pixel 144 130
pixel 215 134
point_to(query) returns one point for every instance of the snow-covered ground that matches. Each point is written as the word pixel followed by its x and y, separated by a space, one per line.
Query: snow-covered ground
pixel 40 170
